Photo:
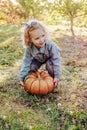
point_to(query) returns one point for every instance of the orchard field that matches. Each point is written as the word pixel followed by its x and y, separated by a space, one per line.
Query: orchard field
pixel 63 109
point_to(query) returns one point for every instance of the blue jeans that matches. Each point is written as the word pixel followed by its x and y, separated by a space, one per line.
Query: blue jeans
pixel 35 65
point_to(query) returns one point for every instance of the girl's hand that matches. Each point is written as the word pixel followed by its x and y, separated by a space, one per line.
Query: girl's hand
pixel 55 82
pixel 22 83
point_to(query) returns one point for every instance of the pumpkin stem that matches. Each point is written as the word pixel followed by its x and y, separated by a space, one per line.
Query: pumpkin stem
pixel 38 75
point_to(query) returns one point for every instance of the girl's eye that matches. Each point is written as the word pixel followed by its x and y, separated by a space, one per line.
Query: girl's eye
pixel 36 38
pixel 43 35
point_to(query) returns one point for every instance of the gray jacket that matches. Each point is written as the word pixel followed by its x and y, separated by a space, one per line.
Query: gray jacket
pixel 49 51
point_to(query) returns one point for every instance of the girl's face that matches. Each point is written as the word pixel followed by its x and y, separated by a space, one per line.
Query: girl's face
pixel 38 37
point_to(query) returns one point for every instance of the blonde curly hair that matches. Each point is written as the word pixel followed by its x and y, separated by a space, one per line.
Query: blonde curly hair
pixel 31 26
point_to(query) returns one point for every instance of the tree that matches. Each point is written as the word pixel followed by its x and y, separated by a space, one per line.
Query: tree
pixel 9 13
pixel 85 12
pixel 32 8
pixel 70 9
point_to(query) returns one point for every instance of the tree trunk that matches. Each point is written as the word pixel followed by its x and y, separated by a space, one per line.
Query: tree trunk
pixel 72 30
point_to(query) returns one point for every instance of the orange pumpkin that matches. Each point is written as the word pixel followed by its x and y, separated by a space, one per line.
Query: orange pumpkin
pixel 39 83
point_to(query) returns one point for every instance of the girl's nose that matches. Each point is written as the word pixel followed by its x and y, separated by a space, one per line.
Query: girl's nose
pixel 41 39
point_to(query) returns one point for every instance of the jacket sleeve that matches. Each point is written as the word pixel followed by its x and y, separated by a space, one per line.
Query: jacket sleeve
pixel 56 59
pixel 25 68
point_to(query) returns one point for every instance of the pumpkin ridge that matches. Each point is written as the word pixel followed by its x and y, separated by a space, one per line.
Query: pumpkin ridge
pixel 32 84
pixel 39 78
pixel 49 86
pixel 41 90
pixel 39 85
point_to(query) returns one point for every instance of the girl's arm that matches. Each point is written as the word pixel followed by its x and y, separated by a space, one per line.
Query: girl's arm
pixel 25 68
pixel 56 59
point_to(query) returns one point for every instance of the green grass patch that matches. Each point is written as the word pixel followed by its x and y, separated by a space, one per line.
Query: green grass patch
pixel 10 44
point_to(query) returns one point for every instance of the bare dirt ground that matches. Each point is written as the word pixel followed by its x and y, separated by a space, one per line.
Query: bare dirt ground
pixel 74 79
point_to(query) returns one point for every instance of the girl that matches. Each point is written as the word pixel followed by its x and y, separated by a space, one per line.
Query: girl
pixel 39 50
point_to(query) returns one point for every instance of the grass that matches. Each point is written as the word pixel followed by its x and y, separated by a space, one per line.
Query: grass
pixel 10 44
pixel 22 111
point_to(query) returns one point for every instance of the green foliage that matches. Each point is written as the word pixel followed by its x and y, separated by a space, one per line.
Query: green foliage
pixel 10 14
pixel 64 119
pixel 69 8
pixel 32 8
pixel 44 10
pixel 10 44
